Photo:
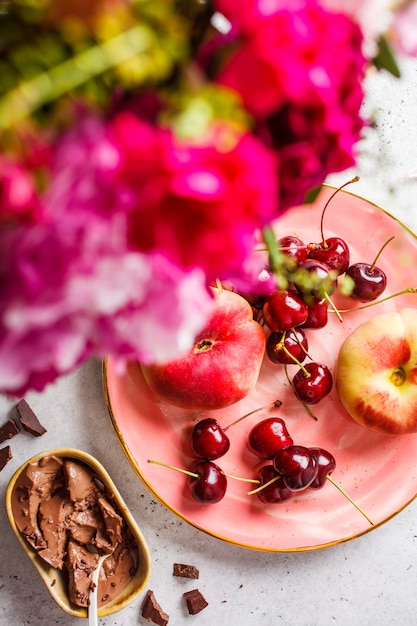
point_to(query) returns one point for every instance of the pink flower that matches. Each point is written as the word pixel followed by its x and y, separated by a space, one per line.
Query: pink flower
pixel 68 292
pixel 197 202
pixel 72 287
pixel 403 31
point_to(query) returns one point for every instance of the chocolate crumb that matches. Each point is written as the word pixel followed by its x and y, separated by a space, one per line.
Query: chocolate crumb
pixel 8 430
pixel 185 571
pixel 152 611
pixel 5 456
pixel 29 420
pixel 195 601
pixel 53 583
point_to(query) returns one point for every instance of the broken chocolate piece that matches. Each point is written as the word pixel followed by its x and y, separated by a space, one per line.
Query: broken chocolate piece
pixel 8 430
pixel 5 456
pixel 29 420
pixel 185 571
pixel 195 600
pixel 152 611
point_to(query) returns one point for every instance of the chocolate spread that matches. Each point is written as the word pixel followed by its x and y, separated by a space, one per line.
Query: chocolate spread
pixel 63 510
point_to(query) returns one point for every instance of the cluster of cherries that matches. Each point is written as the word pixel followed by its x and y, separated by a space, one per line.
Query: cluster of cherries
pixel 291 468
pixel 306 302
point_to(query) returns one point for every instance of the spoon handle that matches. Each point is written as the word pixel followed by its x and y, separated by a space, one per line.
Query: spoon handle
pixel 92 607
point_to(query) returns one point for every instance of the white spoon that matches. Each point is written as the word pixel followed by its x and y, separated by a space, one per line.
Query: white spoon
pixel 92 607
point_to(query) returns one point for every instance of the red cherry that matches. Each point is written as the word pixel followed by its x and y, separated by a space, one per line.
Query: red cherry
pixel 277 491
pixel 334 252
pixel 293 247
pixel 316 279
pixel 284 309
pixel 294 342
pixel 297 466
pixel 268 436
pixel 318 314
pixel 312 383
pixel 208 439
pixel 369 281
pixel 211 484
pixel 326 463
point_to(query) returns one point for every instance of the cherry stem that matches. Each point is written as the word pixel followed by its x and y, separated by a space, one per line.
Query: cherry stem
pixel 177 469
pixel 333 306
pixel 307 408
pixel 300 344
pixel 195 475
pixel 275 404
pixel 244 480
pixel 354 180
pixel 343 492
pixel 375 302
pixel 269 482
pixel 371 269
pixel 296 361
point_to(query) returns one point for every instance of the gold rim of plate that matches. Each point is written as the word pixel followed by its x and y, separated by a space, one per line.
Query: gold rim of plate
pixel 138 471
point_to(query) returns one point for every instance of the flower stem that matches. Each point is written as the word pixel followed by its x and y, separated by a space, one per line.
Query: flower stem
pixel 271 246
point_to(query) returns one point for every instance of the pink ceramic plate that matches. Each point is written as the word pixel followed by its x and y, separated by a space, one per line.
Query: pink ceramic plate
pixel 378 472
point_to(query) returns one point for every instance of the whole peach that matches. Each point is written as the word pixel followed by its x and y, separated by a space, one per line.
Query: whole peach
pixel 376 375
pixel 224 364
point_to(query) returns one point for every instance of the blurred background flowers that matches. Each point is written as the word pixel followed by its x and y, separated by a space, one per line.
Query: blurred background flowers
pixel 146 147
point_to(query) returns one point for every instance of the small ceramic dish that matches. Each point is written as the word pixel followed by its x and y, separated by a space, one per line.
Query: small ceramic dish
pixel 56 580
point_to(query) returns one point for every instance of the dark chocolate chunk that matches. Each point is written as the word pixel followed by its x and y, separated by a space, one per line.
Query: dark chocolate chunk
pixel 29 420
pixel 195 601
pixel 152 611
pixel 8 430
pixel 185 571
pixel 5 456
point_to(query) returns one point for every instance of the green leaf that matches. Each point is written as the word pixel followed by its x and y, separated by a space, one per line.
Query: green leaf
pixel 312 194
pixel 385 59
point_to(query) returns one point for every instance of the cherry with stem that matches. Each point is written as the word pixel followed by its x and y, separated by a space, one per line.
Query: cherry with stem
pixel 307 408
pixel 206 481
pixel 333 251
pixel 324 472
pixel 209 440
pixel 369 281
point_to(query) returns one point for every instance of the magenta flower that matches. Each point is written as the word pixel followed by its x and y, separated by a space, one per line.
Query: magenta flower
pixel 305 97
pixel 19 201
pixel 199 202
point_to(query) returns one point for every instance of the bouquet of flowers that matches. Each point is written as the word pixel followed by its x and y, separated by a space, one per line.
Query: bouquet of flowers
pixel 146 148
